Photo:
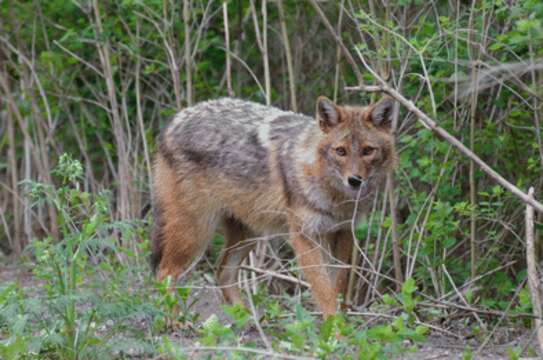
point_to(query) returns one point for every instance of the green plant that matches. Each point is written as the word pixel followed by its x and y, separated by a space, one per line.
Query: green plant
pixel 175 306
pixel 81 281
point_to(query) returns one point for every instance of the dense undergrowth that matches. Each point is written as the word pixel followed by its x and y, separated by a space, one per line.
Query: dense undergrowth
pixel 92 298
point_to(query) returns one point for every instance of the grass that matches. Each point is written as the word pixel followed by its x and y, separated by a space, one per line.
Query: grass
pixel 90 297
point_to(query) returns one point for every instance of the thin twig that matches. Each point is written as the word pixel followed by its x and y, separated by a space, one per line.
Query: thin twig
pixel 227 53
pixel 339 41
pixel 266 354
pixel 502 317
pixel 255 318
pixel 288 54
pixel 188 57
pixel 451 281
pixel 275 275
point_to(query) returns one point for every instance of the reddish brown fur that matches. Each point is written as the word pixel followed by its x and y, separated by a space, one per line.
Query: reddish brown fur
pixel 193 201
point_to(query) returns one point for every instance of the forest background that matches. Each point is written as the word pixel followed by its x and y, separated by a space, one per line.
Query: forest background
pixel 86 86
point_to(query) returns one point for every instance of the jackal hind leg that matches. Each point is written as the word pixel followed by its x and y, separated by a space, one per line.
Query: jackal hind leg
pixel 184 233
pixel 184 240
pixel 237 245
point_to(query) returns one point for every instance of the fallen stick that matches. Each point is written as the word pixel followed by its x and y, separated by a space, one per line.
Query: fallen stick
pixel 430 302
pixel 275 275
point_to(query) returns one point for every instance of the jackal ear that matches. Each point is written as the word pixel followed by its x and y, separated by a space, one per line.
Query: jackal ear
pixel 381 114
pixel 328 114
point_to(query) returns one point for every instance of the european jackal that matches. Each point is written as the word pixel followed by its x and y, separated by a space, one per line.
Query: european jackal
pixel 249 170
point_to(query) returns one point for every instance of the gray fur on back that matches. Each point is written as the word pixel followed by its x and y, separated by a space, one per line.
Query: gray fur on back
pixel 232 136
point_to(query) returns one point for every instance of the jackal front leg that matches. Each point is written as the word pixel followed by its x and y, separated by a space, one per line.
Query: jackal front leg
pixel 342 248
pixel 311 260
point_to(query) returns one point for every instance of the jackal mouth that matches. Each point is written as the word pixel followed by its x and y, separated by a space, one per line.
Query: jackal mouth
pixel 365 189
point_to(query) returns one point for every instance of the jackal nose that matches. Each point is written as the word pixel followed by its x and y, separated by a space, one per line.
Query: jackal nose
pixel 354 181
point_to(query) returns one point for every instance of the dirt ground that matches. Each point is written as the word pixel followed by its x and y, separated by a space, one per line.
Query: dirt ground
pixel 437 346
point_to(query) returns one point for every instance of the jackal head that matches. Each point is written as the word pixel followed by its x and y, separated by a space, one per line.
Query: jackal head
pixel 357 147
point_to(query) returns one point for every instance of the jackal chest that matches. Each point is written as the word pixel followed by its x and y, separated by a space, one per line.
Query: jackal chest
pixel 318 222
pixel 275 222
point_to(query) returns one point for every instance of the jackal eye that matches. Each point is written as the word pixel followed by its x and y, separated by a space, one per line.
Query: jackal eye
pixel 340 151
pixel 368 150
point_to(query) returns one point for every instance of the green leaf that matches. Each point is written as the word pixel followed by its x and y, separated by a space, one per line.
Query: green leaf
pixel 326 328
pixel 409 287
pixel 238 313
